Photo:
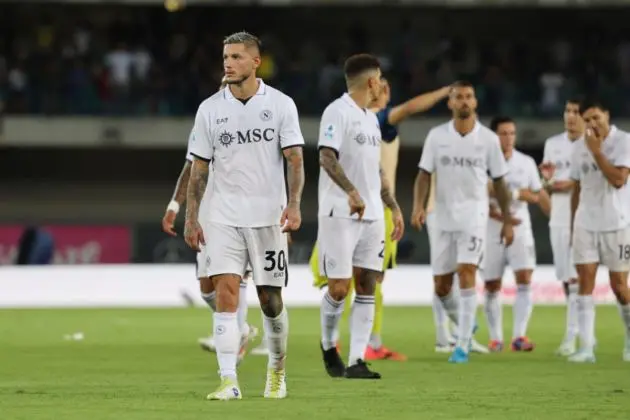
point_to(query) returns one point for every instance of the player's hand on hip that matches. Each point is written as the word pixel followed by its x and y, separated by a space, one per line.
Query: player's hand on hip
pixel 418 218
pixel 507 234
pixel 357 206
pixel 194 235
pixel 547 170
pixel 291 218
pixel 399 225
pixel 593 140
pixel 168 222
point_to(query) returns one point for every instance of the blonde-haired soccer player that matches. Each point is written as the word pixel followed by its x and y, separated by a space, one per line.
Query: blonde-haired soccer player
pixel 388 117
pixel 248 332
pixel 247 124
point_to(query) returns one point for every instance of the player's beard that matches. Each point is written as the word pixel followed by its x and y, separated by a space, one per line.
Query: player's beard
pixel 463 113
pixel 238 81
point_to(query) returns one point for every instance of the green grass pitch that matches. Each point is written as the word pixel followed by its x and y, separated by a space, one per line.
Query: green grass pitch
pixel 146 365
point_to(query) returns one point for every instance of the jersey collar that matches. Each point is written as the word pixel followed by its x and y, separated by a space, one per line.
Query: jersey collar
pixel 451 128
pixel 262 90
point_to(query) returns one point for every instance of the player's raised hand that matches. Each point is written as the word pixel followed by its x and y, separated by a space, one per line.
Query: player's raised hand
pixel 291 218
pixel 356 204
pixel 194 235
pixel 399 225
pixel 168 222
pixel 507 234
pixel 547 170
pixel 418 218
pixel 593 139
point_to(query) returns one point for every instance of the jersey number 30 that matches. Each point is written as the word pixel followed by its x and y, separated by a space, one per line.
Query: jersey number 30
pixel 275 260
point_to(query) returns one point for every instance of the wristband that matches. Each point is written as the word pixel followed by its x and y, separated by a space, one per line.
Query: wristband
pixel 515 195
pixel 173 206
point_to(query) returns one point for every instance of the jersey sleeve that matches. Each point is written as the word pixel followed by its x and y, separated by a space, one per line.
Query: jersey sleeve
pixel 189 156
pixel 546 157
pixel 331 130
pixel 388 131
pixel 427 160
pixel 290 132
pixel 575 164
pixel 534 181
pixel 201 143
pixel 622 155
pixel 497 167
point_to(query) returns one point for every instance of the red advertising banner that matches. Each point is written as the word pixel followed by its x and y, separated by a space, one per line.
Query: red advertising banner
pixel 74 244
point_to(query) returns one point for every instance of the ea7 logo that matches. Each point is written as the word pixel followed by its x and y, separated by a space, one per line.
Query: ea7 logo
pixel 222 120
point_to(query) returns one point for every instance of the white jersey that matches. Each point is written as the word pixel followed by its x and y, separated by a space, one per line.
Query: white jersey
pixel 244 141
pixel 522 174
pixel 602 207
pixel 355 135
pixel 461 165
pixel 559 150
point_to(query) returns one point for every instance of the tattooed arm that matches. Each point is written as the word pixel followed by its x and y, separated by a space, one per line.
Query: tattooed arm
pixel 503 196
pixel 181 188
pixel 291 217
pixel 196 188
pixel 328 160
pixel 386 193
pixel 295 173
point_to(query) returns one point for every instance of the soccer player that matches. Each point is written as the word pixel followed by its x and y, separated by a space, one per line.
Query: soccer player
pixel 461 153
pixel 245 130
pixel 351 231
pixel 388 117
pixel 248 332
pixel 600 210
pixel 524 183
pixel 555 170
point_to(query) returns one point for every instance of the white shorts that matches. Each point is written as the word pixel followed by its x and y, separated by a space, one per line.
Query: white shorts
pixel 561 248
pixel 430 226
pixel 611 249
pixel 229 250
pixel 521 255
pixel 202 267
pixel 451 248
pixel 348 243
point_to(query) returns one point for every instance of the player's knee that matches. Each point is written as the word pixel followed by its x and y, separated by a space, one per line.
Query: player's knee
pixel 619 286
pixel 270 300
pixel 206 285
pixel 227 288
pixel 493 286
pixel 467 275
pixel 523 277
pixel 443 285
pixel 365 282
pixel 338 289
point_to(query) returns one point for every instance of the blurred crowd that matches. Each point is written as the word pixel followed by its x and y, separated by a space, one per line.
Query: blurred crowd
pixel 115 60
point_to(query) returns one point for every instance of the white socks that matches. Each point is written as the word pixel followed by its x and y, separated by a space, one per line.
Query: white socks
pixel 522 310
pixel 330 314
pixel 494 315
pixel 227 338
pixel 361 321
pixel 572 313
pixel 241 313
pixel 440 319
pixel 586 321
pixel 450 303
pixel 624 311
pixel 466 321
pixel 276 334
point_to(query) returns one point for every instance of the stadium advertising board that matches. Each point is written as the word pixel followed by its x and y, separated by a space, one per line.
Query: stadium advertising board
pixel 73 244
